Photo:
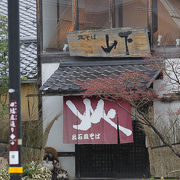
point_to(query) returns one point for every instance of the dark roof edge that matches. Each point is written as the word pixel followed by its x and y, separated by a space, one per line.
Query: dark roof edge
pixel 79 61
pixel 58 93
pixel 28 39
pixel 29 81
pixel 153 79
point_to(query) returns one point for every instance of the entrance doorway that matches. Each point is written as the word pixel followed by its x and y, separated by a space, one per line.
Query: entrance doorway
pixel 119 161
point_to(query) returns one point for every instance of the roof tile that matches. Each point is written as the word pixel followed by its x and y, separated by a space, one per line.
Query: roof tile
pixel 65 79
pixel 28 49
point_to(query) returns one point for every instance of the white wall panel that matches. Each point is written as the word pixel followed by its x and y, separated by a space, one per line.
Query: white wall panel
pixel 53 105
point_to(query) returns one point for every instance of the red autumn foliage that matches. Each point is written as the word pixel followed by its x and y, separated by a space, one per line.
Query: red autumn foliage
pixel 132 87
pixel 129 86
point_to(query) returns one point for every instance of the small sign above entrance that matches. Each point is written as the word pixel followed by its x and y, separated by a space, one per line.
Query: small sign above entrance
pixel 117 42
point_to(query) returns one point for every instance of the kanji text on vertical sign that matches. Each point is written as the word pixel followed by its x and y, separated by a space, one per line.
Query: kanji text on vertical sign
pixel 96 121
pixel 14 156
pixel 15 168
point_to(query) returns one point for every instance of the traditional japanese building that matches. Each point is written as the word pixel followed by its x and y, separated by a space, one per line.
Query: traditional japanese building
pixel 28 52
pixel 82 40
pixel 28 73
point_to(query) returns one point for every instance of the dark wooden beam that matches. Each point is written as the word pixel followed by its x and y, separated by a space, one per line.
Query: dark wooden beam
pixel 120 13
pixel 75 15
pixel 112 13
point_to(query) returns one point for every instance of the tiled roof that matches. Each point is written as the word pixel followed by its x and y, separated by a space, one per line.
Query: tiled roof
pixel 28 49
pixel 27 9
pixel 28 58
pixel 64 79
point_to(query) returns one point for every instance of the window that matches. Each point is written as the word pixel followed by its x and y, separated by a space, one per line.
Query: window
pixel 62 16
pixel 168 33
pixel 58 18
pixel 93 14
pixel 135 13
pixel 57 21
pixel 64 22
pixel 101 14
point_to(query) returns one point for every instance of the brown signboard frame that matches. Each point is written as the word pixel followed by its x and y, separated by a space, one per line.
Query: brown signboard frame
pixel 115 42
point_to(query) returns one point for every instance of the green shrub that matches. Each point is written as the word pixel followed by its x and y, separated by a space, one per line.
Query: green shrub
pixel 31 171
pixel 4 175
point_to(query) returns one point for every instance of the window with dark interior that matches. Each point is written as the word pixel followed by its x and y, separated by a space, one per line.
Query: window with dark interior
pixel 62 16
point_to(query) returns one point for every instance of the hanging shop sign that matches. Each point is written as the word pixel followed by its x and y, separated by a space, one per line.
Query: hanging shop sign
pixel 117 42
pixel 96 121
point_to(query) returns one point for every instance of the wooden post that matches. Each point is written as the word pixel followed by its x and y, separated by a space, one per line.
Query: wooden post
pixel 120 13
pixel 15 135
pixel 114 14
pixel 75 15
pixel 111 13
pixel 58 15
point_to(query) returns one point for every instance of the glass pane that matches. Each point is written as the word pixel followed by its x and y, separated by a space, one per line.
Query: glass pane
pixel 135 13
pixel 168 23
pixel 49 14
pixel 57 21
pixel 93 14
pixel 64 22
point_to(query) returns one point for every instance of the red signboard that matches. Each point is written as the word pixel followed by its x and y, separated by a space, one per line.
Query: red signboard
pixel 13 126
pixel 96 121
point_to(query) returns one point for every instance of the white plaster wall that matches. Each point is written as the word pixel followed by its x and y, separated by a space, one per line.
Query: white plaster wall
pixel 49 14
pixel 168 84
pixel 164 112
pixel 53 105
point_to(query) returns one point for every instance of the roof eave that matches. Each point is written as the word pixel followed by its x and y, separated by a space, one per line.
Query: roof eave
pixel 29 81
